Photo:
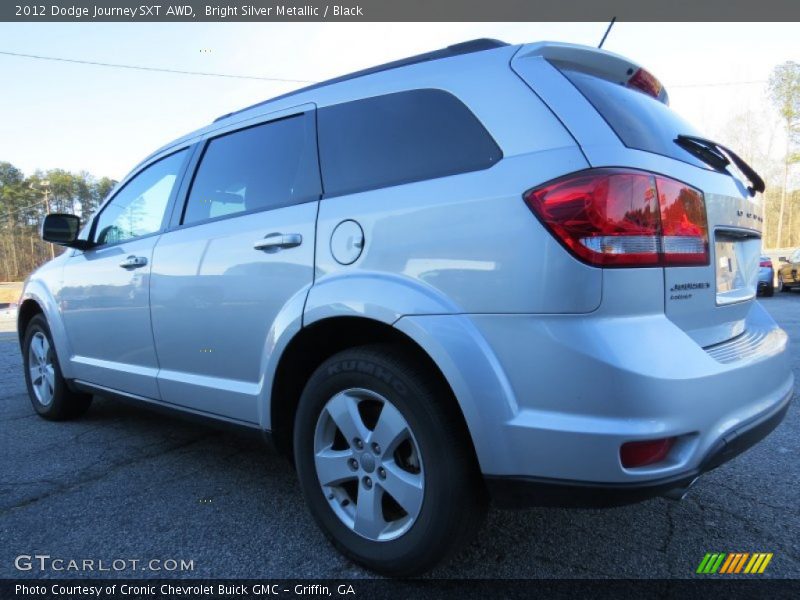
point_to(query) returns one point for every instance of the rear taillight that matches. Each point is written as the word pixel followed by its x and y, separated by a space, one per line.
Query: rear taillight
pixel 646 82
pixel 765 263
pixel 619 217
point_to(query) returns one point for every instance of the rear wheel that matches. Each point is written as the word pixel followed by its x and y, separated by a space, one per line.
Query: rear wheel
pixel 47 389
pixel 769 290
pixel 781 286
pixel 384 463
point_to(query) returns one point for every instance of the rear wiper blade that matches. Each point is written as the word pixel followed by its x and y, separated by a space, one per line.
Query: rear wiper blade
pixel 717 156
pixel 705 150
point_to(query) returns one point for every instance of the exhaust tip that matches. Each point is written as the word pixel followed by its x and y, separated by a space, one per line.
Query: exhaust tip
pixel 678 493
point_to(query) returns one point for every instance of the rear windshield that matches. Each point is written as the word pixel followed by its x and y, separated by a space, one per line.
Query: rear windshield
pixel 641 122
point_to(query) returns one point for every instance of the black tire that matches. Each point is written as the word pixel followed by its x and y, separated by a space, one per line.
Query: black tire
pixel 782 287
pixel 65 404
pixel 454 497
pixel 769 290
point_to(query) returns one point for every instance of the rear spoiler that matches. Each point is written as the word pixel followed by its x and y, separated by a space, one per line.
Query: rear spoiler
pixel 719 157
pixel 600 63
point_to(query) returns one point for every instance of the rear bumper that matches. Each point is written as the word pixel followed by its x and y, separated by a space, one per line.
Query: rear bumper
pixel 578 387
pixel 522 492
pixel 766 280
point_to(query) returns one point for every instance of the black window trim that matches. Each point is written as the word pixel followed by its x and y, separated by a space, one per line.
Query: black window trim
pixel 306 110
pixel 188 148
pixel 361 190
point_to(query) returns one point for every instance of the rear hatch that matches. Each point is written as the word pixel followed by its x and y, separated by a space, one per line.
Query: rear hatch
pixel 619 115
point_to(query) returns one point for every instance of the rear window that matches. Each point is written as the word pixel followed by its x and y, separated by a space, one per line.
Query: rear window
pixel 399 138
pixel 641 122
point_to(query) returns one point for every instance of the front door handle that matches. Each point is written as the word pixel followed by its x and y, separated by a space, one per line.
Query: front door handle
pixel 277 241
pixel 133 262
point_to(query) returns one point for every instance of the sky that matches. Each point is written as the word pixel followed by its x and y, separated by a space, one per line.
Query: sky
pixel 105 120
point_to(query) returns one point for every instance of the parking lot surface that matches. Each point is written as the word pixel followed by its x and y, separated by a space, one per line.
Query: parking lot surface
pixel 126 483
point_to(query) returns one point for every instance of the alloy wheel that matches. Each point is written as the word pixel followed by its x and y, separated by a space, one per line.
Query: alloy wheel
pixel 369 464
pixel 41 368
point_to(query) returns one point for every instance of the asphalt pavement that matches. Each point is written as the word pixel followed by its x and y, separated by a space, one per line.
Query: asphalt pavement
pixel 127 484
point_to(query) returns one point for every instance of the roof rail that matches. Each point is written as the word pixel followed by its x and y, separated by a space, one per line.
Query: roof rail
pixel 454 50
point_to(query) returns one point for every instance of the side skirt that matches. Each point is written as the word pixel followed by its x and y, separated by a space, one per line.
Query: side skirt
pixel 173 410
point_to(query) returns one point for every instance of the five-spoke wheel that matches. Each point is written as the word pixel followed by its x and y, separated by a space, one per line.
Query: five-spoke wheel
pixel 49 393
pixel 369 464
pixel 40 367
pixel 385 460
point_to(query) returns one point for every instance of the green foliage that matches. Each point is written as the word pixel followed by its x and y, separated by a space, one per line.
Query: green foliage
pixel 23 205
pixel 784 90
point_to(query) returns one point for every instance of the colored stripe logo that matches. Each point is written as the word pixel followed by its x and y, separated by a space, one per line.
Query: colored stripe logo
pixel 728 563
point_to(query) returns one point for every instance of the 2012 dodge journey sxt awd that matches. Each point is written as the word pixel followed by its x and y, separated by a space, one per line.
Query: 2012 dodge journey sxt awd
pixel 487 271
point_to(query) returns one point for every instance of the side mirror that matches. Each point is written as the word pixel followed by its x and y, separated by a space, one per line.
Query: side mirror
pixel 63 229
pixel 782 259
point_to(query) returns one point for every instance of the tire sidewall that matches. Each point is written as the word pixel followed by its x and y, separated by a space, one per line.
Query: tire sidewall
pixel 39 324
pixel 341 373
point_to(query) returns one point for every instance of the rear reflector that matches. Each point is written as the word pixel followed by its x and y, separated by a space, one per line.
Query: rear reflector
pixel 639 454
pixel 621 217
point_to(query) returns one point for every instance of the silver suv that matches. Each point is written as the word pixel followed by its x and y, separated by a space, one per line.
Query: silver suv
pixel 490 271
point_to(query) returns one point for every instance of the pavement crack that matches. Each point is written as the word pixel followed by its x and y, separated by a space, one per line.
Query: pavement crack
pixel 112 468
pixel 670 529
pixel 754 499
pixel 30 416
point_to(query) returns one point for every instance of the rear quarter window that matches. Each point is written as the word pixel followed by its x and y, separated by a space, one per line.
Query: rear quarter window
pixel 640 121
pixel 399 138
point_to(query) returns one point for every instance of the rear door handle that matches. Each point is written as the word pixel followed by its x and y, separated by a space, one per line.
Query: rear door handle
pixel 133 262
pixel 277 241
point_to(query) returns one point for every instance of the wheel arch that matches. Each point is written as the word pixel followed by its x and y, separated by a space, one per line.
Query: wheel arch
pixel 317 342
pixel 27 310
pixel 37 299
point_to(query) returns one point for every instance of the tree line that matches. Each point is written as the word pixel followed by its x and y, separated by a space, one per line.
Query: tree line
pixel 24 202
pixel 769 140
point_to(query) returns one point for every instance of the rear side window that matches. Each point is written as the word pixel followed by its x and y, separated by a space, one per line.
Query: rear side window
pixel 399 138
pixel 262 167
pixel 641 122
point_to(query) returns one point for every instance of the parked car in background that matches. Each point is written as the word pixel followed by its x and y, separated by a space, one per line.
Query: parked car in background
pixel 490 270
pixel 789 272
pixel 766 277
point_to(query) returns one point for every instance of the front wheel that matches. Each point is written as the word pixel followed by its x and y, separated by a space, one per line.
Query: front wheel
pixel 47 388
pixel 384 461
pixel 781 286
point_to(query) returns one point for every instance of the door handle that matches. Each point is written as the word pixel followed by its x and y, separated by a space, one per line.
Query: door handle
pixel 277 241
pixel 133 262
